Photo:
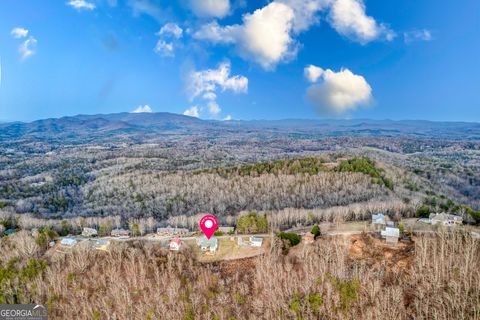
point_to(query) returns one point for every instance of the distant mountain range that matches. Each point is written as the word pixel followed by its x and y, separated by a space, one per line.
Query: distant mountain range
pixel 92 127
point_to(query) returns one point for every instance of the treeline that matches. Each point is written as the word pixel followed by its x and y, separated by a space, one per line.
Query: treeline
pixel 366 166
pixel 165 195
pixel 307 165
pixel 295 217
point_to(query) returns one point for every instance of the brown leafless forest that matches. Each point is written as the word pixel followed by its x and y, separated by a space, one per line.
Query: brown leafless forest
pixel 336 278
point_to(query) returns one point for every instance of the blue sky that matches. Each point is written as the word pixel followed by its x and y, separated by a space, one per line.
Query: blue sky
pixel 241 59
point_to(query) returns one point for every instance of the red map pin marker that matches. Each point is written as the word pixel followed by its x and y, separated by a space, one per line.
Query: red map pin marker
pixel 208 224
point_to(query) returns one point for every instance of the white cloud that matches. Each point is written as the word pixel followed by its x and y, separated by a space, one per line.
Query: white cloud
pixel 171 29
pixel 208 81
pixel 264 36
pixel 312 73
pixel 267 36
pixel 169 34
pixel 143 109
pixel 209 96
pixel 192 112
pixel 210 8
pixel 27 48
pixel 164 48
pixel 81 4
pixel 348 17
pixel 339 92
pixel 146 7
pixel 19 32
pixel 227 118
pixel 215 33
pixel 417 35
pixel 305 12
pixel 214 108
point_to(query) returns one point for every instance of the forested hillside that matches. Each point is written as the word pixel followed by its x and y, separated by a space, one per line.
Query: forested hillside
pixel 230 168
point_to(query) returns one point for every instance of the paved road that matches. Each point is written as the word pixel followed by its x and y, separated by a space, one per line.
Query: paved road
pixel 263 235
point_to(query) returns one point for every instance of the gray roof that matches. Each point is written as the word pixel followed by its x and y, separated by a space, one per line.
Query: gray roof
pixel 212 242
pixel 378 218
pixel 256 239
pixel 444 217
pixel 391 232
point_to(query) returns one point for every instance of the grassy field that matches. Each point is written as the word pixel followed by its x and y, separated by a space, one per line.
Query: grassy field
pixel 228 249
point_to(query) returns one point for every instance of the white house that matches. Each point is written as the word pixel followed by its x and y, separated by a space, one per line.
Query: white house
pixel 208 244
pixel 378 221
pixel 68 242
pixel 445 219
pixel 172 231
pixel 256 241
pixel 120 233
pixel 175 244
pixel 102 245
pixel 391 235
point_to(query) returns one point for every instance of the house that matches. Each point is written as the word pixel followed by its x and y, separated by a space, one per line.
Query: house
pixel 175 244
pixel 378 220
pixel 172 231
pixel 120 233
pixel 391 224
pixel 256 241
pixel 102 245
pixel 445 219
pixel 89 232
pixel 425 220
pixel 208 245
pixel 68 242
pixel 391 235
pixel 226 229
pixel 308 238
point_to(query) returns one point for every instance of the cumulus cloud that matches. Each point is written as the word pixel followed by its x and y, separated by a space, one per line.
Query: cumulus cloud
pixel 208 81
pixel 264 37
pixel 19 32
pixel 215 33
pixel 27 48
pixel 164 48
pixel 417 35
pixel 305 12
pixel 227 118
pixel 210 8
pixel 171 29
pixel 312 73
pixel 348 17
pixel 205 83
pixel 143 109
pixel 267 36
pixel 192 112
pixel 338 92
pixel 81 5
pixel 214 108
pixel 169 34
